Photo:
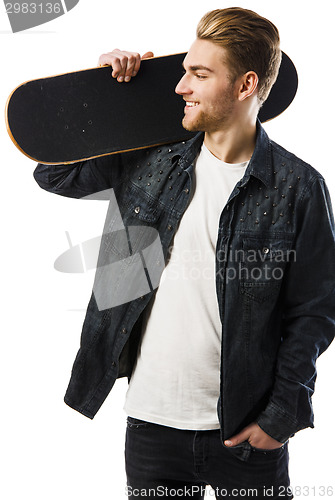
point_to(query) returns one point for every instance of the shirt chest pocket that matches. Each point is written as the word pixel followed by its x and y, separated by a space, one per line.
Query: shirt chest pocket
pixel 131 224
pixel 139 207
pixel 262 266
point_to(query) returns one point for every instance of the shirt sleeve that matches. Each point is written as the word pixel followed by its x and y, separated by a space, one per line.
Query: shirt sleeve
pixel 309 316
pixel 81 179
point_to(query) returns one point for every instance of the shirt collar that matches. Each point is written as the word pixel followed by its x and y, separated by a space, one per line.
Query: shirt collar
pixel 260 162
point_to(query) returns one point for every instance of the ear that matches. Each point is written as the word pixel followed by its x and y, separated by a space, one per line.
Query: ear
pixel 248 85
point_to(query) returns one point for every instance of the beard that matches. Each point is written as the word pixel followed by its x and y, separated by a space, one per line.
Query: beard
pixel 203 122
pixel 215 117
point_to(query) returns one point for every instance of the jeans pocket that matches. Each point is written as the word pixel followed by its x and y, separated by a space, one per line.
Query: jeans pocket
pixel 266 451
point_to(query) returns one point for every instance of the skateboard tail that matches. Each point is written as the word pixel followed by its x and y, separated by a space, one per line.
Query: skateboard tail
pixel 9 129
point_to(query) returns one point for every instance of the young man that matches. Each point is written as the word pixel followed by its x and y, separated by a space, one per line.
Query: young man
pixel 221 357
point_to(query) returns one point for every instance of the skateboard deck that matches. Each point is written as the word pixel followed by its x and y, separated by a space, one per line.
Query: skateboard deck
pixel 86 114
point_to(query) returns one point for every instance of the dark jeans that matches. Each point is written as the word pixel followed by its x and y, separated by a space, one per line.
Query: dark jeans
pixel 163 462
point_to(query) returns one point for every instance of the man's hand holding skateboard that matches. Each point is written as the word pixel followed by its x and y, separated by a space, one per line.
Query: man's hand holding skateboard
pixel 125 64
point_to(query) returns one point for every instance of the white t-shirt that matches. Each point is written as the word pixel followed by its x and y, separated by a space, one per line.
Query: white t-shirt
pixel 176 378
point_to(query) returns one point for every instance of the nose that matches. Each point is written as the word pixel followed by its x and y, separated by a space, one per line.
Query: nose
pixel 183 88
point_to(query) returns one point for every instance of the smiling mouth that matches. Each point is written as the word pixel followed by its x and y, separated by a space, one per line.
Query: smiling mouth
pixel 191 104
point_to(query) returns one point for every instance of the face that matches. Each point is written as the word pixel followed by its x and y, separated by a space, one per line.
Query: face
pixel 206 89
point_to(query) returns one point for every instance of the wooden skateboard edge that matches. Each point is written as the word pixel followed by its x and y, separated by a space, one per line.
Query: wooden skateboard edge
pixel 8 126
pixel 114 153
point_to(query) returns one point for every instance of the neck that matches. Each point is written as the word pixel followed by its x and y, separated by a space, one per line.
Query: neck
pixel 235 143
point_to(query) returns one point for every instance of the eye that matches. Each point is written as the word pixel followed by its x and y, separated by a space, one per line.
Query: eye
pixel 200 77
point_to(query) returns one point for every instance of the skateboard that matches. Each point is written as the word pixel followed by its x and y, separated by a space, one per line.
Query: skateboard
pixel 86 114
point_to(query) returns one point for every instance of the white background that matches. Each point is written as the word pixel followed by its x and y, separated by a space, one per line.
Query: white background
pixel 49 450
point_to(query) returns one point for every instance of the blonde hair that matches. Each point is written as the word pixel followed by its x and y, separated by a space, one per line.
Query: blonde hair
pixel 252 43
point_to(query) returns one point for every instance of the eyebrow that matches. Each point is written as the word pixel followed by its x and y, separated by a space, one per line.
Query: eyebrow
pixel 199 67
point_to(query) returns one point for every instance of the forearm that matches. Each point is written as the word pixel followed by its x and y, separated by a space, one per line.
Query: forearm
pixel 81 179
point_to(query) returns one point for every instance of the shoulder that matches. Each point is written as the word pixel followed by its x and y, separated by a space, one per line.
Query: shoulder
pixel 308 185
pixel 294 166
pixel 154 156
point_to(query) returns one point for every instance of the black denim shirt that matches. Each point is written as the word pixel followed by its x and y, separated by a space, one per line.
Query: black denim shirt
pixel 275 277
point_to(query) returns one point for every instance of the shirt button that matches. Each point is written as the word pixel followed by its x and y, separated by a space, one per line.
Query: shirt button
pixel 124 330
pixel 169 227
pixel 137 210
pixel 266 250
